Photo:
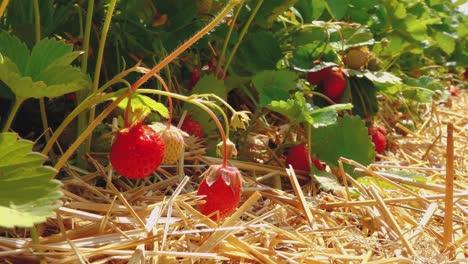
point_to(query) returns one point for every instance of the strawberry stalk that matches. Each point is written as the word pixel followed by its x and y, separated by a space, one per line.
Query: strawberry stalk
pixel 128 109
pixel 226 40
pixel 166 88
pixel 99 61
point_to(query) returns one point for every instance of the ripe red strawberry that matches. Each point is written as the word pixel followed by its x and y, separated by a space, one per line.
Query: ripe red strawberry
pixel 334 85
pixel 297 157
pixel 192 127
pixel 378 138
pixel 137 151
pixel 195 78
pixel 318 76
pixel 70 97
pixel 453 90
pixel 221 187
pixel 212 68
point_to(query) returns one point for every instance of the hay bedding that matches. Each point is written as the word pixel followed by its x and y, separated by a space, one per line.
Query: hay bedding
pixel 155 220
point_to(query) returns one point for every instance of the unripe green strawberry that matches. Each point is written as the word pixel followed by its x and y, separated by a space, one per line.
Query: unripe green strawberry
pixel 356 58
pixel 137 151
pixel 334 85
pixel 374 64
pixel 174 141
pixel 221 188
pixel 317 77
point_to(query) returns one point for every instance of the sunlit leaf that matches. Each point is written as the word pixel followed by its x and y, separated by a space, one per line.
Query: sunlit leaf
pixel 144 103
pixel 43 73
pixel 347 138
pixel 28 195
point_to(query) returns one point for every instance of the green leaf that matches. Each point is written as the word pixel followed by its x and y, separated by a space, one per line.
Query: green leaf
pixel 28 195
pixel 353 37
pixel 305 56
pixel 325 116
pixel 308 35
pixel 274 85
pixel 424 89
pixel 43 54
pixel 54 81
pixel 337 8
pixel 379 77
pixel 347 138
pixel 20 85
pixel 12 48
pixel 297 110
pixel 445 42
pixel 271 9
pixel 310 9
pixel 145 103
pixel 419 177
pixel 209 84
pixel 45 73
pixel 66 59
pixel 259 51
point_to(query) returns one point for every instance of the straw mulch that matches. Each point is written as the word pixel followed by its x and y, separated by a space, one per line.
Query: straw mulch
pixel 395 219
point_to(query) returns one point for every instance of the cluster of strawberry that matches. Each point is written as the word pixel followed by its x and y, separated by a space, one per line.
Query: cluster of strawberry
pixel 331 82
pixel 138 150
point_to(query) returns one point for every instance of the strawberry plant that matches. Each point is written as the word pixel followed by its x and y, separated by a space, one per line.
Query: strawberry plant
pixel 315 77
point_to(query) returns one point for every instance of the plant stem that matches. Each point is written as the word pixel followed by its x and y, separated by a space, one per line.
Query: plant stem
pixel 226 41
pixel 171 106
pixel 37 25
pixel 97 70
pixel 82 94
pixel 14 109
pixel 92 100
pixel 35 240
pixel 242 35
pixel 87 33
pixel 37 20
pixel 309 145
pixel 3 7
